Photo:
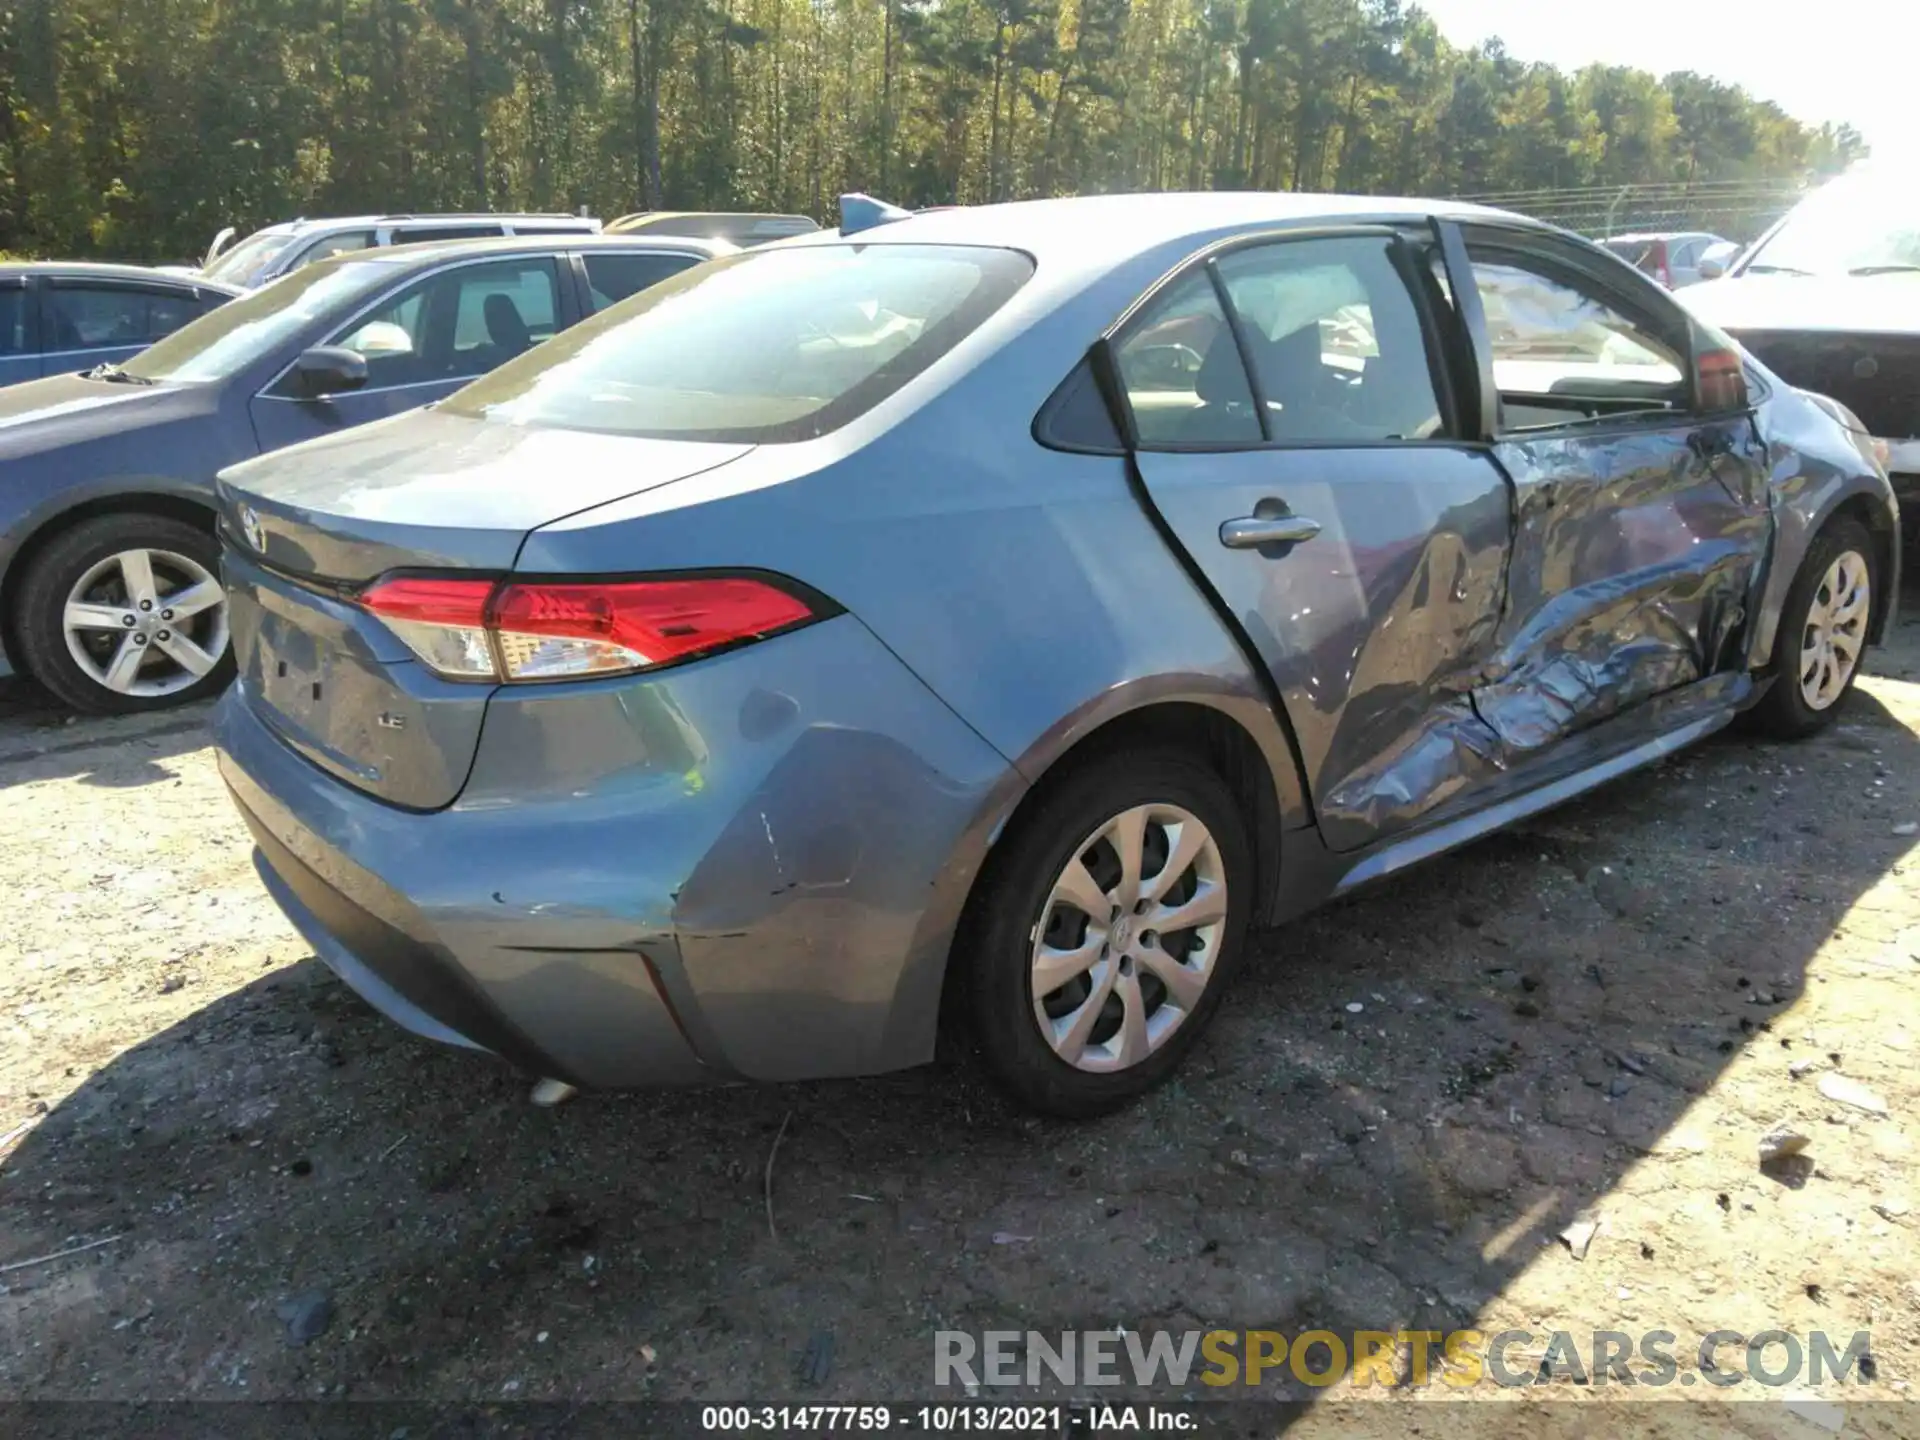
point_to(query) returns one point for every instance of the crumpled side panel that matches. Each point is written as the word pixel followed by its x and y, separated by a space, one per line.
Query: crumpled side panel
pixel 1593 652
pixel 1634 566
pixel 1453 749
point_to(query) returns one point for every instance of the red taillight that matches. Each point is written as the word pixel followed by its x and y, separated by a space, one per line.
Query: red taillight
pixel 1664 270
pixel 559 630
pixel 443 621
pixel 431 601
pixel 550 630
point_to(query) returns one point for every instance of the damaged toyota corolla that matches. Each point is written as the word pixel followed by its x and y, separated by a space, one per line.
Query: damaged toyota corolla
pixel 993 614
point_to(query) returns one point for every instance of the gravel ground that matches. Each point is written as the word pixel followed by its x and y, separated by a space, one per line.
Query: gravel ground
pixel 1400 1109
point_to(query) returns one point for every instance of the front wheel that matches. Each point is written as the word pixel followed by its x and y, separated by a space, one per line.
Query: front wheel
pixel 125 613
pixel 1102 935
pixel 1822 636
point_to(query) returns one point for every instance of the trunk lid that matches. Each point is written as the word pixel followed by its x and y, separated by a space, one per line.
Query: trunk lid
pixel 307 528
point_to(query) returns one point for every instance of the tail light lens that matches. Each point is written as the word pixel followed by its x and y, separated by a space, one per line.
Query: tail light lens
pixel 444 622
pixel 538 630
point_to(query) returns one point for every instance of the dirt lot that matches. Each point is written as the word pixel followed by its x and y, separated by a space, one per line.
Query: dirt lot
pixel 1397 1114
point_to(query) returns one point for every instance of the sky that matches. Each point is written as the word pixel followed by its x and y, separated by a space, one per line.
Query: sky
pixel 1838 60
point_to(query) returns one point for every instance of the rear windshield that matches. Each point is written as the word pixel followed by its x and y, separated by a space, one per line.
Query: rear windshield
pixel 765 347
pixel 225 341
pixel 247 261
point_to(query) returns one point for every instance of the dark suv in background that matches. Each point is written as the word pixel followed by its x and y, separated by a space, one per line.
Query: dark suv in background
pixel 61 316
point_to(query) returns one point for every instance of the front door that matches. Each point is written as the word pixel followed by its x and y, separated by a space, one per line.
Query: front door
pixel 423 342
pixel 1642 520
pixel 1295 435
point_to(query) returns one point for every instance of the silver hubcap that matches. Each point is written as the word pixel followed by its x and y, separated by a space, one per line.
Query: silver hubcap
pixel 1129 938
pixel 1836 631
pixel 146 622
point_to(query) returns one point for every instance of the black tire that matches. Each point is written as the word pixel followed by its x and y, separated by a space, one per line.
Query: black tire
pixel 1004 916
pixel 1784 713
pixel 62 564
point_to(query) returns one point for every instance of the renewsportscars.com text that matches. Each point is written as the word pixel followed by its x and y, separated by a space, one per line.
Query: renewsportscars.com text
pixel 1456 1358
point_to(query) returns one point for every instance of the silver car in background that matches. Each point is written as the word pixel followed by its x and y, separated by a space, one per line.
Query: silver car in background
pixel 277 250
pixel 1000 611
pixel 1673 257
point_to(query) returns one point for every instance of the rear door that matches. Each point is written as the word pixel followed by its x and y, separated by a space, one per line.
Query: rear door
pixel 1642 517
pixel 19 337
pixel 1294 426
pixel 423 340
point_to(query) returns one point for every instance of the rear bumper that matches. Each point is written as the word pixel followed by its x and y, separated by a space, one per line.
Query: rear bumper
pixel 749 867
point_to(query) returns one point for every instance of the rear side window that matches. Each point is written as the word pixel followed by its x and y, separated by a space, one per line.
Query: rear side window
pixel 168 310
pixel 344 243
pixel 418 235
pixel 85 317
pixel 505 301
pixel 1336 342
pixel 1182 372
pixel 613 278
pixel 763 347
pixel 13 319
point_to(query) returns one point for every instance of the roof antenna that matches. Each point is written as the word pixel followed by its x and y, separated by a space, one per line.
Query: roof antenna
pixel 863 212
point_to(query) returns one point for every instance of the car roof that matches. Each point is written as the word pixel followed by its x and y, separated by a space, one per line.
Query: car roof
pixel 652 215
pixel 1639 235
pixel 427 252
pixel 1095 231
pixel 104 270
pixel 305 224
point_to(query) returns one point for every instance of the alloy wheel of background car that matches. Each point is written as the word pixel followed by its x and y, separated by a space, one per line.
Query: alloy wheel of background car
pixel 1822 634
pixel 1836 630
pixel 126 613
pixel 1125 945
pixel 1104 929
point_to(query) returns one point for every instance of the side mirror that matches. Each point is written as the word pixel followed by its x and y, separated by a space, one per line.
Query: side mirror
pixel 328 370
pixel 1712 267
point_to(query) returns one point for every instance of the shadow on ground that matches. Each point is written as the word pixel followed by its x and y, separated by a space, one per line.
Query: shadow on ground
pixel 1536 1016
pixel 38 729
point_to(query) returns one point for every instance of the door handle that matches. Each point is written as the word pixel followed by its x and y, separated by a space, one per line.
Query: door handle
pixel 1250 532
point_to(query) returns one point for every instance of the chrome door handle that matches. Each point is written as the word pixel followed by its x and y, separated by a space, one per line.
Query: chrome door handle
pixel 1252 531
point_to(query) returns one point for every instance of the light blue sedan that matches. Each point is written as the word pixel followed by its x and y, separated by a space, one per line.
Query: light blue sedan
pixel 996 613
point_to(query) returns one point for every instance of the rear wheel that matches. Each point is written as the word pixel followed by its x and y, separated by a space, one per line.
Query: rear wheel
pixel 1823 634
pixel 125 613
pixel 1100 940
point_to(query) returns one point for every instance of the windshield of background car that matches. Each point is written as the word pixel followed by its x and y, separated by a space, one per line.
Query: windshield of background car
pixel 765 347
pixel 1850 227
pixel 244 263
pixel 226 341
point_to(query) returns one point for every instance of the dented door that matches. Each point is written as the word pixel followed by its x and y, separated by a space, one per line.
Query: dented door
pixel 1641 528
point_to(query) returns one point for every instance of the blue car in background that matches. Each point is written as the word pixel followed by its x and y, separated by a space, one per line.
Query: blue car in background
pixel 58 317
pixel 108 562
